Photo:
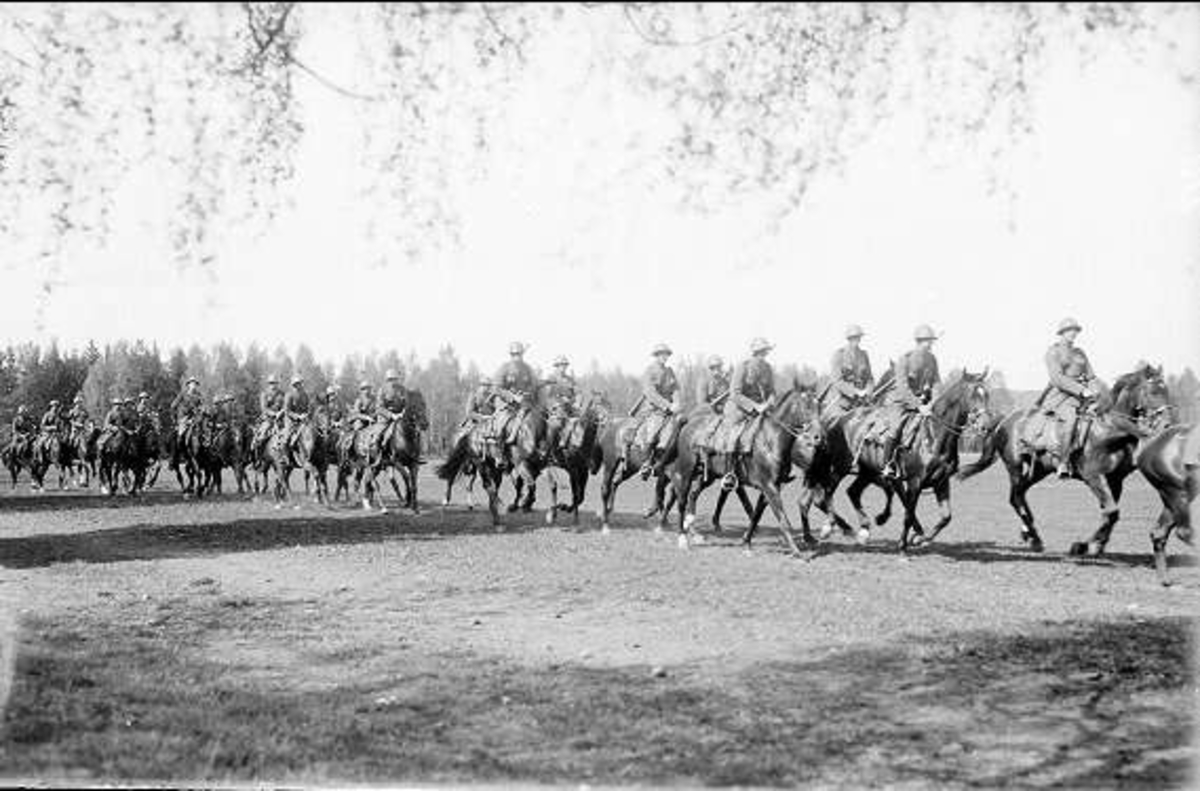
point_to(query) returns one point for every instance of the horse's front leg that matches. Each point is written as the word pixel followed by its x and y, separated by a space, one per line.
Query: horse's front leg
pixel 942 493
pixel 855 492
pixel 1108 496
pixel 553 496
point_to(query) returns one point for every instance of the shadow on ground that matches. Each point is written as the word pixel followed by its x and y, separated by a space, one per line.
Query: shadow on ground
pixel 1081 705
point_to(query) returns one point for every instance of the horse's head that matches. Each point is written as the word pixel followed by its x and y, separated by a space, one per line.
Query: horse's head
pixel 965 402
pixel 798 411
pixel 1140 396
pixel 597 407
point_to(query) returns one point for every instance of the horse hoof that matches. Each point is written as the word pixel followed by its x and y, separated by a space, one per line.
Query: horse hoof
pixel 605 530
pixel 698 538
pixel 826 530
pixel 278 506
pixel 863 537
pixel 881 520
pixel 366 506
pixel 688 521
pixel 683 542
pixel 1078 549
pixel 446 503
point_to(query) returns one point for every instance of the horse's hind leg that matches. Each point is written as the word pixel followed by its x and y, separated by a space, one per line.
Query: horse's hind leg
pixel 855 492
pixel 1175 511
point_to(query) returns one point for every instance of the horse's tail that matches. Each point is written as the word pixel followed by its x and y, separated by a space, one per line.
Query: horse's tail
pixel 459 455
pixel 987 455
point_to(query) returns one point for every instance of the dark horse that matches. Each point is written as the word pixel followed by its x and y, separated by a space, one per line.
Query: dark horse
pixel 17 454
pixel 399 450
pixel 491 459
pixel 1105 461
pixel 617 459
pixel 931 464
pixel 767 467
pixel 575 455
pixel 1161 460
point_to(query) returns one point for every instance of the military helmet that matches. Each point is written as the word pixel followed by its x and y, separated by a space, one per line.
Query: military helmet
pixel 143 394
pixel 516 347
pixel 117 400
pixel 53 402
pixel 561 360
pixel 364 385
pixel 660 348
pixel 1068 324
pixel 272 379
pixel 297 379
pixel 331 390
pixel 79 398
pixel 22 409
pixel 924 333
pixel 715 361
pixel 391 374
pixel 760 345
pixel 191 379
pixel 854 331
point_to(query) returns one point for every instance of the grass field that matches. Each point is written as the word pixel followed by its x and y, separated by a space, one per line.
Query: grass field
pixel 225 641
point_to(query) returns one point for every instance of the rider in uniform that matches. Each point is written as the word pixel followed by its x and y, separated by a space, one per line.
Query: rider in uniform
pixel 560 403
pixel 331 408
pixel 1072 382
pixel 24 430
pixel 296 408
pixel 270 411
pixel 658 405
pixel 850 374
pixel 752 391
pixel 916 379
pixel 393 400
pixel 187 406
pixel 514 390
pixel 78 417
pixel 52 418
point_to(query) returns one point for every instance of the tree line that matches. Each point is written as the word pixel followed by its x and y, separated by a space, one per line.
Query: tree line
pixel 31 374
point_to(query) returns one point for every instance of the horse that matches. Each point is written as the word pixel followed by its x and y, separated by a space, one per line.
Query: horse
pixel 823 467
pixel 574 456
pixel 17 455
pixel 114 453
pixel 1106 459
pixel 767 467
pixel 83 442
pixel 51 448
pixel 308 454
pixel 276 457
pixel 525 456
pixel 1161 460
pixel 475 450
pixel 616 459
pixel 402 449
pixel 227 447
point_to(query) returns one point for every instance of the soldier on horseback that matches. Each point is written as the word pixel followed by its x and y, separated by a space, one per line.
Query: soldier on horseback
pixel 296 408
pixel 270 412
pixel 851 379
pixel 915 380
pixel 52 419
pixel 1072 385
pixel 480 404
pixel 117 419
pixel 187 408
pixel 713 388
pixel 78 417
pixel 513 393
pixel 560 403
pixel 329 407
pixel 393 400
pixel 660 397
pixel 362 411
pixel 24 431
pixel 752 391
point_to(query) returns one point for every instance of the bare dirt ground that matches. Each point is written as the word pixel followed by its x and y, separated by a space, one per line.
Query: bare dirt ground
pixel 224 641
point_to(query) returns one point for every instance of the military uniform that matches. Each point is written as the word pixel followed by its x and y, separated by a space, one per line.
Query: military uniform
pixel 560 403
pixel 514 391
pixel 752 391
pixel 916 379
pixel 52 419
pixel 1071 382
pixel 117 419
pixel 270 412
pixel 362 411
pixel 390 407
pixel 850 378
pixel 24 431
pixel 186 408
pixel 713 389
pixel 330 410
pixel 660 390
pixel 296 408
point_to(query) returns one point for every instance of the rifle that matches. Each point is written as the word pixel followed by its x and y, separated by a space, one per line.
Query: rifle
pixel 717 401
pixel 637 405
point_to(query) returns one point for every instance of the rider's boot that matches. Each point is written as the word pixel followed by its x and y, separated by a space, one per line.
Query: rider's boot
pixel 730 481
pixel 1064 449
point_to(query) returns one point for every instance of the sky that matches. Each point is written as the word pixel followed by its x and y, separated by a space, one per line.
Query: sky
pixel 563 250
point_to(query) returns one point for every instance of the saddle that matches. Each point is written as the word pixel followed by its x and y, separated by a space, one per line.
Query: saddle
pixel 1042 433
